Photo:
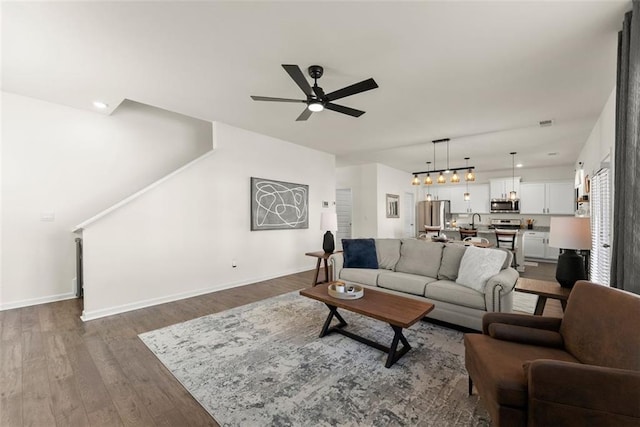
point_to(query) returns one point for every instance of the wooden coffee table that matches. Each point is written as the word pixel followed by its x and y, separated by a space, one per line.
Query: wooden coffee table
pixel 398 311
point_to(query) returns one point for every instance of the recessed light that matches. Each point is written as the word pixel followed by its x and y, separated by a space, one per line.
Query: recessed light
pixel 100 104
pixel 519 165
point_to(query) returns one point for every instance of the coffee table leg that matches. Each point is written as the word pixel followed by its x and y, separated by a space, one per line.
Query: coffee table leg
pixel 395 355
pixel 333 312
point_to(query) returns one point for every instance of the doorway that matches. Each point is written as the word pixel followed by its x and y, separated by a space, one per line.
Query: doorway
pixel 410 215
pixel 343 211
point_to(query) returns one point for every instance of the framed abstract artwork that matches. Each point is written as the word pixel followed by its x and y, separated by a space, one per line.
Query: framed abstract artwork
pixel 278 205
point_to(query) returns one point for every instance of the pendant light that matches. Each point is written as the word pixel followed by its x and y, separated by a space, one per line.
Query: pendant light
pixel 416 180
pixel 441 178
pixel 455 178
pixel 467 196
pixel 469 176
pixel 427 179
pixel 512 194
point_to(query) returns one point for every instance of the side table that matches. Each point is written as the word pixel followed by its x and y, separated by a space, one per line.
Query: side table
pixel 321 255
pixel 543 290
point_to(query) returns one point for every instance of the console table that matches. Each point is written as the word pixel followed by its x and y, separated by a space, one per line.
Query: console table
pixel 322 256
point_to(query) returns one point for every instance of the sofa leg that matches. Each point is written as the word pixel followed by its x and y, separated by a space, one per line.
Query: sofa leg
pixel 470 386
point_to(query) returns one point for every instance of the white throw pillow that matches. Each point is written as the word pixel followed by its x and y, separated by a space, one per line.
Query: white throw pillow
pixel 478 265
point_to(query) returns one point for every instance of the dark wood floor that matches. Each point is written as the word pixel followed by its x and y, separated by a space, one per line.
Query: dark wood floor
pixel 56 370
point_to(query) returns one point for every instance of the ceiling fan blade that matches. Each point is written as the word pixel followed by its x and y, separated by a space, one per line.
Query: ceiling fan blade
pixel 297 76
pixel 305 115
pixel 268 98
pixel 363 86
pixel 344 110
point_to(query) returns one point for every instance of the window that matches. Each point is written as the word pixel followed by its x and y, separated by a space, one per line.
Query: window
pixel 600 267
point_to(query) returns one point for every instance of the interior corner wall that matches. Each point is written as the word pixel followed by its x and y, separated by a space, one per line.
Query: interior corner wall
pixel 392 181
pixel 370 184
pixel 62 165
pixel 180 238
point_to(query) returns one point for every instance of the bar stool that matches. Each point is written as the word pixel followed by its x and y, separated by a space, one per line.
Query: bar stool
pixel 467 233
pixel 507 239
pixel 432 230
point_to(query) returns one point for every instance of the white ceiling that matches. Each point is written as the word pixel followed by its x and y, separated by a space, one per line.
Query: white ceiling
pixel 445 69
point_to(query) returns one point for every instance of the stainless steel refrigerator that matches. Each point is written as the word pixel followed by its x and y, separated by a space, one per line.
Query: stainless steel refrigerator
pixel 437 212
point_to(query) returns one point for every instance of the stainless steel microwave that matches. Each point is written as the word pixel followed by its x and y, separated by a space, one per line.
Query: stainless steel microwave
pixel 505 206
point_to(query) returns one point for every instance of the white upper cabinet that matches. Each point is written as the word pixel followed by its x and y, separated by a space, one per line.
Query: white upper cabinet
pixel 479 193
pixel 547 198
pixel 479 198
pixel 501 187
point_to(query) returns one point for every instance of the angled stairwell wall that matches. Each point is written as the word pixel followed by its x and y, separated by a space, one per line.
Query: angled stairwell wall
pixel 180 238
pixel 62 165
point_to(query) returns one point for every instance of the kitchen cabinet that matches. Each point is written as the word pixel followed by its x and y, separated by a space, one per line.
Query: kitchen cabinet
pixel 479 202
pixel 547 198
pixel 536 245
pixel 501 187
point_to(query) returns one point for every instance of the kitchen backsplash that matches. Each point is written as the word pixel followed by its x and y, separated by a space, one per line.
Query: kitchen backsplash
pixel 538 220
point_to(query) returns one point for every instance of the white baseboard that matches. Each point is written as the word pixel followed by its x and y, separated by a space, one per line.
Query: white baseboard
pixel 97 314
pixel 36 301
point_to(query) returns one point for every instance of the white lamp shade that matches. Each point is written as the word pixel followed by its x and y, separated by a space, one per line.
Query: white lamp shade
pixel 328 221
pixel 570 232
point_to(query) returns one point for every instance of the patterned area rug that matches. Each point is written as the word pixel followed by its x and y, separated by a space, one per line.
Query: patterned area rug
pixel 263 364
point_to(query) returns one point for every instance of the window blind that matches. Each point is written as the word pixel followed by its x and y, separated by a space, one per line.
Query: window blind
pixel 600 228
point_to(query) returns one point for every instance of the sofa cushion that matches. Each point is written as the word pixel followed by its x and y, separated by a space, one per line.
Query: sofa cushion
pixel 454 293
pixel 365 276
pixel 478 265
pixel 496 366
pixel 404 282
pixel 451 257
pixel 360 253
pixel 420 257
pixel 388 251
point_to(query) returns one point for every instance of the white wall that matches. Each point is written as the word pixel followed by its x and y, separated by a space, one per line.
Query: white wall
pixel 392 181
pixel 370 184
pixel 180 238
pixel 601 142
pixel 75 163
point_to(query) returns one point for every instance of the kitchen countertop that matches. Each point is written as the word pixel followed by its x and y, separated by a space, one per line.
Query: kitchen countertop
pixel 485 229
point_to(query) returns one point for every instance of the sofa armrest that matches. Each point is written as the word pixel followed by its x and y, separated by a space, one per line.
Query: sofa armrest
pixel 525 320
pixel 336 261
pixel 498 286
pixel 563 393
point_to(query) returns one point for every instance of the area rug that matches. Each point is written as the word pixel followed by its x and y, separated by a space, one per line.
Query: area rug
pixel 525 303
pixel 263 364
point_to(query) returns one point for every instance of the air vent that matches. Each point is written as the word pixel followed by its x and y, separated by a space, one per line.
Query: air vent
pixel 546 123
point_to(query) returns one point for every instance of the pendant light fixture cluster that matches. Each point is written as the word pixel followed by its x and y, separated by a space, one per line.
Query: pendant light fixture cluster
pixel 455 178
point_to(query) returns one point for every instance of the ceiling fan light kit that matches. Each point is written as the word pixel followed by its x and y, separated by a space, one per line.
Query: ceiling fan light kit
pixel 317 100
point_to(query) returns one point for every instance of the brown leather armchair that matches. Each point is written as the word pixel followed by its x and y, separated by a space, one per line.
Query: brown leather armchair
pixel 581 370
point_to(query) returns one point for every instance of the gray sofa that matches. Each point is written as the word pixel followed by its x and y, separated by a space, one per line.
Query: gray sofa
pixel 428 270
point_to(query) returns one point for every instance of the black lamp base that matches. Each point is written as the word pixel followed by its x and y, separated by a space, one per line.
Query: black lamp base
pixel 328 245
pixel 570 268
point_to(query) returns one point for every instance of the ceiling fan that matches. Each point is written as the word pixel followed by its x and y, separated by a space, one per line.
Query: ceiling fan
pixel 317 100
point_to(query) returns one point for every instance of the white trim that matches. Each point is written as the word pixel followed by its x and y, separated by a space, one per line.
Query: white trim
pixel 37 301
pixel 83 225
pixel 96 314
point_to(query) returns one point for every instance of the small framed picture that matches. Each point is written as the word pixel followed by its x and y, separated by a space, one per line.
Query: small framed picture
pixel 393 201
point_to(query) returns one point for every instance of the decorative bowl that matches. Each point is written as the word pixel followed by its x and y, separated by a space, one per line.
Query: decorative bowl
pixel 341 290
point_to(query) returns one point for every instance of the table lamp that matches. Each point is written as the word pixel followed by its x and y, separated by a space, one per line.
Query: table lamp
pixel 569 234
pixel 328 222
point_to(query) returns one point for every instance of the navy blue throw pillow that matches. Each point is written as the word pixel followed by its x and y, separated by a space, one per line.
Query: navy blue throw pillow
pixel 360 253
